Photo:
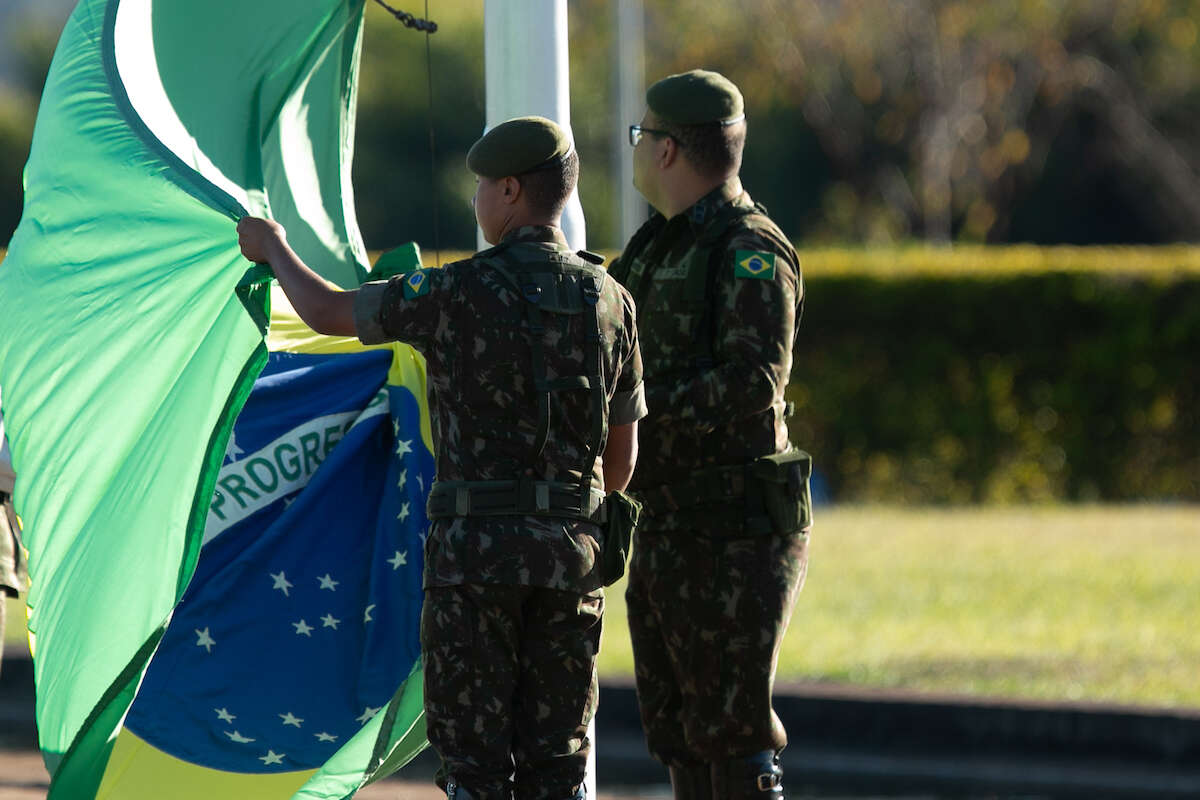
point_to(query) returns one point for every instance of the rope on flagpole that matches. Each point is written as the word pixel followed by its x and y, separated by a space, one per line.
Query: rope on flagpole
pixel 427 26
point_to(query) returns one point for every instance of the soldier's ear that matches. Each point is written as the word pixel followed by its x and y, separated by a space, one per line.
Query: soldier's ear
pixel 668 151
pixel 511 189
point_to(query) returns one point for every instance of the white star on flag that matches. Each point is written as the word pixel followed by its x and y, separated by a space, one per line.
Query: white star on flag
pixel 403 479
pixel 330 621
pixel 302 628
pixel 398 559
pixel 224 715
pixel 287 502
pixel 420 483
pixel 403 447
pixel 291 719
pixel 204 640
pixel 237 737
pixel 403 515
pixel 395 427
pixel 272 757
pixel 368 712
pixel 328 582
pixel 325 737
pixel 281 582
pixel 232 451
pixel 367 614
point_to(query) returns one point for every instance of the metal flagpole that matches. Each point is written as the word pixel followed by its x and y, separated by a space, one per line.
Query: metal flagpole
pixel 629 51
pixel 526 71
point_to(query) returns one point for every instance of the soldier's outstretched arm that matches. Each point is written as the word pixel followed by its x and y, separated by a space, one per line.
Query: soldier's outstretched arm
pixel 324 307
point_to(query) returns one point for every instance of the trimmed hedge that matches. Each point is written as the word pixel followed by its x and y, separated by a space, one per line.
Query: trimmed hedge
pixel 982 261
pixel 1035 387
pixel 1009 374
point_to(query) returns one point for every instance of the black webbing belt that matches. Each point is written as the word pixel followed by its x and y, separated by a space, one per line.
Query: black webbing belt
pixel 711 497
pixel 513 498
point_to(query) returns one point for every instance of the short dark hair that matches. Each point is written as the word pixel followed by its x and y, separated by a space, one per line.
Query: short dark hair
pixel 712 148
pixel 549 187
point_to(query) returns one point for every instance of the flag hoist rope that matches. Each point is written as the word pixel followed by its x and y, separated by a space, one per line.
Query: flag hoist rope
pixel 427 26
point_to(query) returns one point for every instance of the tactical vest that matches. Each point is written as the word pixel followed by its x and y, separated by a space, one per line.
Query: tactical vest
pixel 768 495
pixel 552 285
pixel 700 287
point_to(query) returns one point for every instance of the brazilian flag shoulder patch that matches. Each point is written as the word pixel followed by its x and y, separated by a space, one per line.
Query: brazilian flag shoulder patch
pixel 753 264
pixel 415 284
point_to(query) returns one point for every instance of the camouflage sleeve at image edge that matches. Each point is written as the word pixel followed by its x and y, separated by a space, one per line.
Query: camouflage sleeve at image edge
pixel 629 400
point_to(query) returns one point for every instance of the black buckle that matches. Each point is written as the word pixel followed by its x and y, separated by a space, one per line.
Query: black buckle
pixel 591 290
pixel 768 781
pixel 532 292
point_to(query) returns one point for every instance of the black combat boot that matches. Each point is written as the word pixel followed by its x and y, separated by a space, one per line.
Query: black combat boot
pixel 692 782
pixel 755 777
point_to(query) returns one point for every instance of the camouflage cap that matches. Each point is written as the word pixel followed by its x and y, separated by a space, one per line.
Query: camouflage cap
pixel 696 97
pixel 517 146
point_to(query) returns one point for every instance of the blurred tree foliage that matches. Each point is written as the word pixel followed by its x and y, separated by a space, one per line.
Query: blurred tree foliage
pixel 1050 121
pixel 1047 121
pixel 402 183
pixel 31 45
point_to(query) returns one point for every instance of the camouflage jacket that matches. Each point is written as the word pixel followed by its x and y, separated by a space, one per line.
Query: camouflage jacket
pixel 469 322
pixel 731 409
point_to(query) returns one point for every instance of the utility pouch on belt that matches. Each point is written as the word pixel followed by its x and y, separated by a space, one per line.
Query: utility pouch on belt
pixel 622 513
pixel 783 481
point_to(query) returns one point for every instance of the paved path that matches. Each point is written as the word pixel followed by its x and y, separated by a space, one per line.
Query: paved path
pixel 22 777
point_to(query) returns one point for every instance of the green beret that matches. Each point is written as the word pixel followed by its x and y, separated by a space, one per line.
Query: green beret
pixel 517 146
pixel 695 97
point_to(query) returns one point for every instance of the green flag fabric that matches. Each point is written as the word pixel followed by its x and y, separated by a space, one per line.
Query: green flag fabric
pixel 131 330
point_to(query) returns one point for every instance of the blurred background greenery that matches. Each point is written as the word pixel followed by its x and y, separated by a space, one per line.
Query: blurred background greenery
pixel 871 121
pixel 906 146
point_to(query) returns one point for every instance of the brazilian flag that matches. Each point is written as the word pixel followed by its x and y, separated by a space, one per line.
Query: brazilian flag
pixel 168 531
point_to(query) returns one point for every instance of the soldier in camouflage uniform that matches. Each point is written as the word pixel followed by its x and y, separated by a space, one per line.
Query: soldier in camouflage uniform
pixel 533 360
pixel 721 550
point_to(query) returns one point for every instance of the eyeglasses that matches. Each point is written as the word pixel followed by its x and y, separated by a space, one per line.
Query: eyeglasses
pixel 636 131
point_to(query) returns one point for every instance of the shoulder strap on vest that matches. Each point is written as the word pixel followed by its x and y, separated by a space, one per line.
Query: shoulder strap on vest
pixel 637 243
pixel 700 290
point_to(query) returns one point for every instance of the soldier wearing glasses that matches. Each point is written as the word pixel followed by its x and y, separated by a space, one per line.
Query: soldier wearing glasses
pixel 721 549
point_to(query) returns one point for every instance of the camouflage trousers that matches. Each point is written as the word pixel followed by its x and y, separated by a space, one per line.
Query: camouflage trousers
pixel 510 687
pixel 706 616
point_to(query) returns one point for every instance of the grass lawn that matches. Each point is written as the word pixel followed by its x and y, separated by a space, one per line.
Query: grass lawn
pixel 1096 603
